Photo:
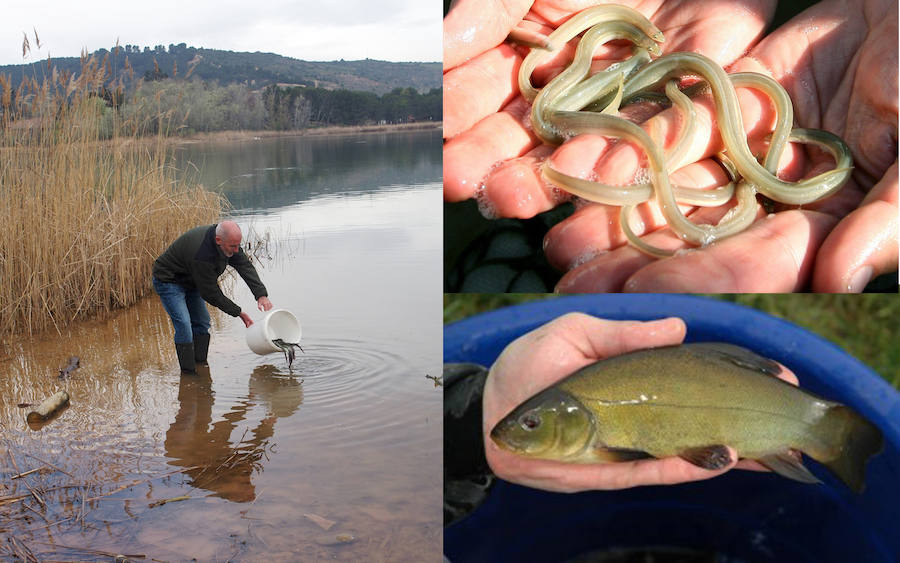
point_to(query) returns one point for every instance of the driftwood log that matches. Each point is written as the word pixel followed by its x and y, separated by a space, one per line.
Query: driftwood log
pixel 49 406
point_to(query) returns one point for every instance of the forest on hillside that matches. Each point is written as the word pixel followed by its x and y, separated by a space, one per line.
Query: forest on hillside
pixel 191 106
pixel 177 100
pixel 256 70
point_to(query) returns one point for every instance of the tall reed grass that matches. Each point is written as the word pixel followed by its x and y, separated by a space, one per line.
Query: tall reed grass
pixel 86 202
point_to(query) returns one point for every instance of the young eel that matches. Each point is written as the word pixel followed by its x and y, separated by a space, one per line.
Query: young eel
pixel 557 113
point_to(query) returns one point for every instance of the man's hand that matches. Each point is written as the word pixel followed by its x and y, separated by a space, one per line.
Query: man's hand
pixel 263 303
pixel 246 318
pixel 840 69
pixel 542 357
pixel 825 58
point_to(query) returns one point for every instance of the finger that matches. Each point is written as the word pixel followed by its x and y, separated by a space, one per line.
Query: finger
pixel 871 125
pixel 514 188
pixel 864 244
pixel 573 477
pixel 598 338
pixel 479 88
pixel 531 34
pixel 571 342
pixel 595 229
pixel 714 31
pixel 474 26
pixel 609 271
pixel 591 231
pixel 774 255
pixel 469 156
pixel 812 80
pixel 595 338
pixel 787 375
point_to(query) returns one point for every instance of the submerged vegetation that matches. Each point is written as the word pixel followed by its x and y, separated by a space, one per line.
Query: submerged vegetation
pixel 88 203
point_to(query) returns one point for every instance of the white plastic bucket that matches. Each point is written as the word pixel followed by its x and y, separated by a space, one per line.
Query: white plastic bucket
pixel 277 323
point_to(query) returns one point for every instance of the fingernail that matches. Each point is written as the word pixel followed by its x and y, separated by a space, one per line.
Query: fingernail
pixel 859 279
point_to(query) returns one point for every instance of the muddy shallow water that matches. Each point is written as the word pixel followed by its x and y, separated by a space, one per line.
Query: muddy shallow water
pixel 254 460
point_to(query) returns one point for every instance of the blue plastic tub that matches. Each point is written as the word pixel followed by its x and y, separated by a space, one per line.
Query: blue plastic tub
pixel 741 516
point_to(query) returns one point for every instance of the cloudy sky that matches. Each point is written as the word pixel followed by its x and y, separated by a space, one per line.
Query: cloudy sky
pixel 391 30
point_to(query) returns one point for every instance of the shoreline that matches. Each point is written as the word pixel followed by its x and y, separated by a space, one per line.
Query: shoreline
pixel 240 135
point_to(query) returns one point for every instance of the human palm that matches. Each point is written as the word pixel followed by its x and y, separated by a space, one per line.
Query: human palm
pixel 826 69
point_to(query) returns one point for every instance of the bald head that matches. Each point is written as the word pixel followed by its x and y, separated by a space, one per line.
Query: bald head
pixel 228 237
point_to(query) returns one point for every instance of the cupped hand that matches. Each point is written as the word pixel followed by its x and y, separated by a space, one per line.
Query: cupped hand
pixel 542 357
pixel 248 322
pixel 491 148
pixel 840 69
pixel 263 303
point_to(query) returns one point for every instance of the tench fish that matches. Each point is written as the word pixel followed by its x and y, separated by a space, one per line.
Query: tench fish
pixel 690 401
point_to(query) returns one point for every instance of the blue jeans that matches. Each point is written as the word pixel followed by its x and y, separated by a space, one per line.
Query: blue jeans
pixel 186 309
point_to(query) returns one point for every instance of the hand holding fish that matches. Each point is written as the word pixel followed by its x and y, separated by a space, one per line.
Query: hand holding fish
pixel 546 355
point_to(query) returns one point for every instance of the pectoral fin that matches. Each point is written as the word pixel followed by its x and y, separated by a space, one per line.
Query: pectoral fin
pixel 788 466
pixel 713 457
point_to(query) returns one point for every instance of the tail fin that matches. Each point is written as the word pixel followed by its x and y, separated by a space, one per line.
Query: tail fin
pixel 855 440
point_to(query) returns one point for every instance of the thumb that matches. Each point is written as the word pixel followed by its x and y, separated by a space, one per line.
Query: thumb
pixel 474 26
pixel 864 243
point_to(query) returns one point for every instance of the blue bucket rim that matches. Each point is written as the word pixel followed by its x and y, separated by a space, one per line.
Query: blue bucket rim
pixel 855 383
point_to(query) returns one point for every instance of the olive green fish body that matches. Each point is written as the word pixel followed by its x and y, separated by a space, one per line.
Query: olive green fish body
pixel 677 400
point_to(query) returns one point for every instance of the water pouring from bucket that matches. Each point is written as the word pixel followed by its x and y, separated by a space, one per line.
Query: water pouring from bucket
pixel 278 331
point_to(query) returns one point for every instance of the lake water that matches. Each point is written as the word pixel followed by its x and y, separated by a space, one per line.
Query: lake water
pixel 256 460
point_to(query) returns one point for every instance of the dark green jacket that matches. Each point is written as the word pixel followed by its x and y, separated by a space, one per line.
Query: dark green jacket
pixel 194 261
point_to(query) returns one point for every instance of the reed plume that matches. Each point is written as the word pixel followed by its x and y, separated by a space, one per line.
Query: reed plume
pixel 88 201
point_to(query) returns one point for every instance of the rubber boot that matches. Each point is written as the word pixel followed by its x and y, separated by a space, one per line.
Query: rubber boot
pixel 186 357
pixel 201 347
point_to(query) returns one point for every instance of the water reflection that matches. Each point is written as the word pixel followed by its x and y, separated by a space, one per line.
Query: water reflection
pixel 264 175
pixel 195 442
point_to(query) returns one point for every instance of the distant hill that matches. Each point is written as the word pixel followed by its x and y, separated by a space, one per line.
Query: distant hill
pixel 254 69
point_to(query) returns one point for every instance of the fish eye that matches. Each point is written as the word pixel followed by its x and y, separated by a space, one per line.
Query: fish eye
pixel 530 421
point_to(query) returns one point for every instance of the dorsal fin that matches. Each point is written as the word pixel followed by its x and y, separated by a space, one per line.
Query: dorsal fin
pixel 738 356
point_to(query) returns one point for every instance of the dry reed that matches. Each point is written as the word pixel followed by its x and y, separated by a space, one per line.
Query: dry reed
pixel 87 203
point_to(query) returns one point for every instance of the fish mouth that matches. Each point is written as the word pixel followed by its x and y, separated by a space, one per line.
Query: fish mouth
pixel 497 437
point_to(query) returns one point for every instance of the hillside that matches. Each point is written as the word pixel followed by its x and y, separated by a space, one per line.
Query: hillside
pixel 253 69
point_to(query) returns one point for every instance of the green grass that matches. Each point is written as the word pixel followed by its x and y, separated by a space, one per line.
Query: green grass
pixel 864 325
